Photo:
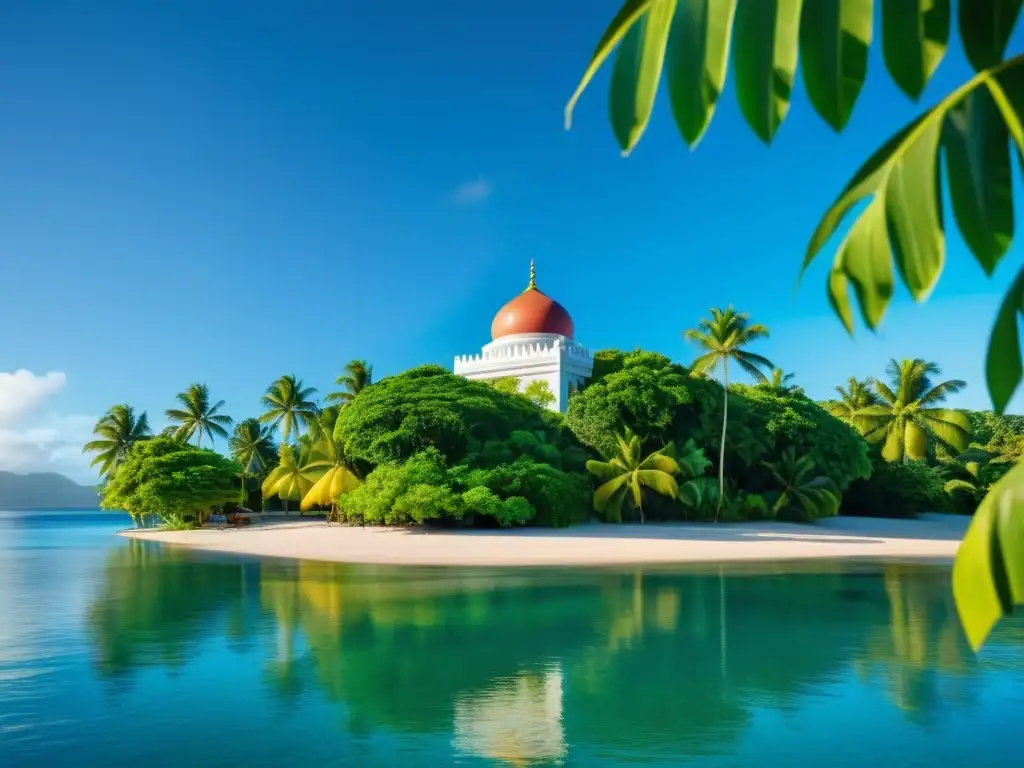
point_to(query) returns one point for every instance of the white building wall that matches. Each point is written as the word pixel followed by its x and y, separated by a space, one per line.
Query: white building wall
pixel 529 357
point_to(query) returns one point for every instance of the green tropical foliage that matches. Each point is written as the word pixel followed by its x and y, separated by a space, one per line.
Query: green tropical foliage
pixel 507 384
pixel 907 421
pixel 1000 435
pixel 857 395
pixel 172 480
pixel 902 222
pixel 356 377
pixel 897 489
pixel 692 464
pixel 988 574
pixel 650 395
pixel 779 382
pixel 539 392
pixel 972 475
pixel 723 338
pixel 196 416
pixel 628 471
pixel 430 407
pixel 117 432
pixel 252 448
pixel 289 407
pixel 803 495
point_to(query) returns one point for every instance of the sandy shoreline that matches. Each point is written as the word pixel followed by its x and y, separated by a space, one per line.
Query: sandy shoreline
pixel 932 537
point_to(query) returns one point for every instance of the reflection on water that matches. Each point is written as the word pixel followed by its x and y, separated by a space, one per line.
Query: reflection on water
pixel 517 720
pixel 546 667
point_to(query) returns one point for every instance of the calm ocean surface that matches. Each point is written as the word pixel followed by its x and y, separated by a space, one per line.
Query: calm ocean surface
pixel 116 653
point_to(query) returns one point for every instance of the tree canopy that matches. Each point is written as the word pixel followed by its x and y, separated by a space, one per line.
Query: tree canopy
pixel 429 407
pixel 172 480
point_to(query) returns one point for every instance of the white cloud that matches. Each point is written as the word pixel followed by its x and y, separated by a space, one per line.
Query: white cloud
pixel 52 445
pixel 22 391
pixel 50 442
pixel 472 192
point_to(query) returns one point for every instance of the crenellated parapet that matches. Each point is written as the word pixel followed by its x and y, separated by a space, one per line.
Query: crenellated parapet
pixel 532 347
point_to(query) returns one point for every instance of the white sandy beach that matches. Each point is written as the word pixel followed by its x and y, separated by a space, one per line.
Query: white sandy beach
pixel 931 537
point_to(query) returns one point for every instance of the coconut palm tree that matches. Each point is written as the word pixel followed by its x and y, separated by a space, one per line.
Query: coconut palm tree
pixel 197 416
pixel 857 395
pixel 333 475
pixel 723 337
pixel 326 420
pixel 778 382
pixel 289 406
pixel 357 377
pixel 118 431
pixel 907 420
pixel 289 480
pixel 252 447
pixel 628 471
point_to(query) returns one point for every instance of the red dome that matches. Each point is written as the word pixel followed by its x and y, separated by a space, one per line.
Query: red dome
pixel 531 312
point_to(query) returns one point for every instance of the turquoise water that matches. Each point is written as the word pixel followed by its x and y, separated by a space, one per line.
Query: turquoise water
pixel 118 653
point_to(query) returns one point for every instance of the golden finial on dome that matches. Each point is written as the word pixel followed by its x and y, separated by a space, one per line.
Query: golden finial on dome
pixel 533 277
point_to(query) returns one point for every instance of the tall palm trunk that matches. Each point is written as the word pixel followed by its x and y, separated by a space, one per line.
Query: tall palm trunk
pixel 725 422
pixel 199 438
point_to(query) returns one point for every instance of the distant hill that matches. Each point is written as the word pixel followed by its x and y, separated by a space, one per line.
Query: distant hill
pixel 44 490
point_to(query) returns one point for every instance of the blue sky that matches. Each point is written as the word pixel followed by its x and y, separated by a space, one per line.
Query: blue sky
pixel 228 191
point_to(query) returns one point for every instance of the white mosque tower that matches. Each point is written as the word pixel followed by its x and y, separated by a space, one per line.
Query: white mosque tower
pixel 532 341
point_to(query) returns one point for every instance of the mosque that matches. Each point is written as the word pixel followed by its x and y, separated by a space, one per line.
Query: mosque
pixel 532 340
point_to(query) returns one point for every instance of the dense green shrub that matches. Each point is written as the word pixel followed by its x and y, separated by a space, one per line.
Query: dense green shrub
pixel 172 480
pixel 559 498
pixel 425 489
pixel 898 489
pixel 399 494
pixel 430 407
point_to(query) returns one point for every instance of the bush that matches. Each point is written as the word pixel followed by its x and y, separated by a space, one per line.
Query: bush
pixel 558 498
pixel 400 494
pixel 429 407
pixel 177 482
pixel 897 490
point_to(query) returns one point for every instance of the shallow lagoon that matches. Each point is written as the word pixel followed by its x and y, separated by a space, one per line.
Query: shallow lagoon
pixel 114 652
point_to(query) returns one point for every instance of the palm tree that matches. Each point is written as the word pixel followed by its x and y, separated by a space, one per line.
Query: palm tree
pixel 357 377
pixel 326 420
pixel 778 382
pixel 289 480
pixel 723 336
pixel 801 490
pixel 627 471
pixel 906 421
pixel 118 430
pixel 289 406
pixel 252 447
pixel 197 416
pixel 333 475
pixel 858 394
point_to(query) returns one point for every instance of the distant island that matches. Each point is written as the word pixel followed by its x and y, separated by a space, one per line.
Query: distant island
pixel 45 490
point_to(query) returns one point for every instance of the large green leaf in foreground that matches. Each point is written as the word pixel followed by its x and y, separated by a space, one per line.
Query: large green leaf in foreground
pixel 988 576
